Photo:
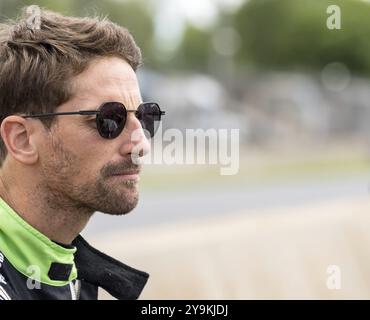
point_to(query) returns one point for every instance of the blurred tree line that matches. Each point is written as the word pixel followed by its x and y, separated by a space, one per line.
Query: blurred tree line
pixel 271 34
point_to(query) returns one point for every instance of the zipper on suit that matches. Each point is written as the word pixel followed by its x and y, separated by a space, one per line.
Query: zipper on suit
pixel 75 289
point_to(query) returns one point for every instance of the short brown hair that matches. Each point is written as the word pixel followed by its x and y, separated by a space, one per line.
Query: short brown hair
pixel 36 63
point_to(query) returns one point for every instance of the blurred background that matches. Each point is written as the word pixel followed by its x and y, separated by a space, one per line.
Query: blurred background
pixel 294 221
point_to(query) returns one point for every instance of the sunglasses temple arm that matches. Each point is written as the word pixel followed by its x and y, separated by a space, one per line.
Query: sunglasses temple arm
pixel 82 112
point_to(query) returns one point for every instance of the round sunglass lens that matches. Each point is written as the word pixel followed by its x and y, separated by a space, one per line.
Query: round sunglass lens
pixel 111 119
pixel 149 115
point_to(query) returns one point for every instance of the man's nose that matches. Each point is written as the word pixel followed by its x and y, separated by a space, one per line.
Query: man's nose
pixel 135 140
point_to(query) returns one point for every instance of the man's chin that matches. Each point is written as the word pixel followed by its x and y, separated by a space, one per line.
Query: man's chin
pixel 117 198
pixel 121 207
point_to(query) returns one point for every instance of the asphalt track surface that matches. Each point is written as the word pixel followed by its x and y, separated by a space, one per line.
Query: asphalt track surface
pixel 176 206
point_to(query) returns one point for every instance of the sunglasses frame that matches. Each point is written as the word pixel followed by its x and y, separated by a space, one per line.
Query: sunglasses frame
pixel 91 112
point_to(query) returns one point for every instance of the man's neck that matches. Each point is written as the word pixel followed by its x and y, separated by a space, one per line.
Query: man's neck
pixel 59 222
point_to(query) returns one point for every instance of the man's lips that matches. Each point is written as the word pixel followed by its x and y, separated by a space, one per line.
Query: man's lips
pixel 128 175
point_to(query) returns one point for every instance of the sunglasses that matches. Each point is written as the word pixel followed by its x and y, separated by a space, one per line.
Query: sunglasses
pixel 111 117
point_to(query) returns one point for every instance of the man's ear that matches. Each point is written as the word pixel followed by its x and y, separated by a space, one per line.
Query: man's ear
pixel 18 135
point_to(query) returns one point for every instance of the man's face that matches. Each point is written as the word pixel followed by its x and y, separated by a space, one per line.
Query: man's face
pixel 78 167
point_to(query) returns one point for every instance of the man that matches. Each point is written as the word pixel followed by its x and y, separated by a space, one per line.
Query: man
pixel 72 121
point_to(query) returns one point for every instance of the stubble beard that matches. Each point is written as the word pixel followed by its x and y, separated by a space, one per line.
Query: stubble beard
pixel 63 188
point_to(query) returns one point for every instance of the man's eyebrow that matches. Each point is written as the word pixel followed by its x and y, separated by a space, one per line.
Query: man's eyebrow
pixel 96 107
